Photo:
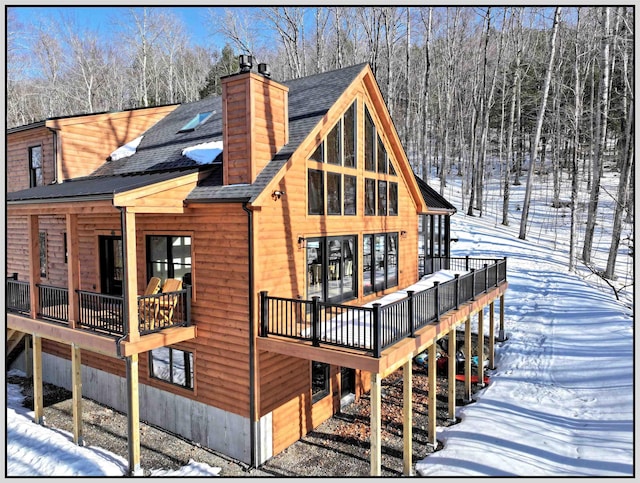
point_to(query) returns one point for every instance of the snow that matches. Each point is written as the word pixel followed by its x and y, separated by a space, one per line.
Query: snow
pixel 559 402
pixel 203 153
pixel 127 150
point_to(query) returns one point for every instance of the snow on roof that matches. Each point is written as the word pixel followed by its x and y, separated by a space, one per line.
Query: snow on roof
pixel 204 153
pixel 127 150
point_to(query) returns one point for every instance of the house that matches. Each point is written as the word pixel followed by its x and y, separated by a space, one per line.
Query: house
pixel 288 211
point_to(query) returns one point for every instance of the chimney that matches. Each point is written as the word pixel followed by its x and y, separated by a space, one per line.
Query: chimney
pixel 255 116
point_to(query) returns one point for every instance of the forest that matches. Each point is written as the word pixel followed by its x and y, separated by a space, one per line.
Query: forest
pixel 484 93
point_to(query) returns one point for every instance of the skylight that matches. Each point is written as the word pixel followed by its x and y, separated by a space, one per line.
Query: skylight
pixel 196 121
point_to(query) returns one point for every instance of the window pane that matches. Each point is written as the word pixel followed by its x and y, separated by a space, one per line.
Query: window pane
pixel 335 265
pixel 36 156
pixel 369 142
pixel 349 195
pixel 393 198
pixel 348 254
pixel 333 145
pixel 319 380
pixel 181 256
pixel 392 170
pixel 349 144
pixel 382 157
pixel 160 364
pixel 334 194
pixel 316 192
pixel 317 154
pixel 43 254
pixel 172 365
pixel 380 252
pixel 382 197
pixel 366 260
pixel 315 276
pixel 392 260
pixel 370 196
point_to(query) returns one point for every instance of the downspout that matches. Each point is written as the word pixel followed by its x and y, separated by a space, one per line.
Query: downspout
pixel 253 425
pixel 56 177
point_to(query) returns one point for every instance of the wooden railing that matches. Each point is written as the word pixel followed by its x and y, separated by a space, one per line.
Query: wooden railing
pixel 373 328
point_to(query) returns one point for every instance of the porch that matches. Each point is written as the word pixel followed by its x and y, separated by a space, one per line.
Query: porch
pixel 385 335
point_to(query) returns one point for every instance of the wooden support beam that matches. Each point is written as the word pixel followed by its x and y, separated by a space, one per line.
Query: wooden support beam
pixel 407 420
pixel 28 356
pixel 467 359
pixel 492 336
pixel 375 439
pixel 130 273
pixel 76 389
pixel 501 334
pixel 73 267
pixel 432 372
pixel 452 373
pixel 34 264
pixel 133 416
pixel 481 348
pixel 38 404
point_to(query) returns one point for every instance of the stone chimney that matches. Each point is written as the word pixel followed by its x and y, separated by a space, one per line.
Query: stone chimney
pixel 255 117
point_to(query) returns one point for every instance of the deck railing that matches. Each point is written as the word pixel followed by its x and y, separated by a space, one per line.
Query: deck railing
pixel 53 303
pixel 164 310
pixel 101 312
pixel 374 327
pixel 18 298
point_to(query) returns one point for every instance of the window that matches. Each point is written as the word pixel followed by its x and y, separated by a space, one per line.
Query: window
pixel 172 365
pixel 350 195
pixel 196 122
pixel 315 192
pixel 36 176
pixel 333 145
pixel 382 197
pixel 334 194
pixel 66 251
pixel 369 142
pixel 382 156
pixel 319 380
pixel 349 143
pixel 330 268
pixel 369 196
pixel 318 154
pixel 380 270
pixel 43 253
pixel 393 198
pixel 169 257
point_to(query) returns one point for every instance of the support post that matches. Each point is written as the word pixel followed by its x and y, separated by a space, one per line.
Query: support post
pixel 73 268
pixel 432 371
pixel 436 295
pixel 481 348
pixel 412 322
pixel 452 374
pixel 133 416
pixel 28 356
pixel 407 422
pixel 377 330
pixel 38 405
pixel 76 388
pixel 131 275
pixel 501 334
pixel 315 320
pixel 376 415
pixel 264 314
pixel 34 266
pixel 492 336
pixel 467 360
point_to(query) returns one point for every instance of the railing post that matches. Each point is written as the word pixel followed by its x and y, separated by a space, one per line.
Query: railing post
pixel 473 283
pixel 466 263
pixel 457 281
pixel 377 329
pixel 486 278
pixel 315 320
pixel 264 314
pixel 188 308
pixel 437 297
pixel 412 325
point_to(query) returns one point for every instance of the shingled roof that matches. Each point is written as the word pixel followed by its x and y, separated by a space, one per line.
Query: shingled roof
pixel 433 199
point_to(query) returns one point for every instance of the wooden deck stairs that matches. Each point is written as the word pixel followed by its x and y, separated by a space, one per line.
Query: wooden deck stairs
pixel 15 345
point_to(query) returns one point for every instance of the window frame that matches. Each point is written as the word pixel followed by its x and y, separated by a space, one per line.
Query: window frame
pixel 321 192
pixel 171 265
pixel 323 271
pixel 189 375
pixel 392 202
pixel 371 285
pixel 326 389
pixel 334 193
pixel 353 199
pixel 36 174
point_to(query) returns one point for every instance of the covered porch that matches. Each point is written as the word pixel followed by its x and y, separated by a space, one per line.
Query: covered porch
pixel 386 335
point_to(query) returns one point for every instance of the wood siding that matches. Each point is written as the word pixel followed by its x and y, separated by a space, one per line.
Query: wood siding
pixel 18 145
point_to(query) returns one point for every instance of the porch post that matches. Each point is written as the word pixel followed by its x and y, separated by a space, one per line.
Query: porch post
pixel 76 387
pixel 133 416
pixel 376 414
pixel 452 374
pixel 38 406
pixel 481 348
pixel 407 423
pixel 130 274
pixel 432 373
pixel 467 359
pixel 34 265
pixel 73 268
pixel 501 335
pixel 492 336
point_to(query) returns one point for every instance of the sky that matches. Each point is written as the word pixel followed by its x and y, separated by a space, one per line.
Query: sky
pixel 559 402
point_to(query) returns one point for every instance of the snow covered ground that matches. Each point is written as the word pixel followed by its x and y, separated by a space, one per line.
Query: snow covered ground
pixel 560 402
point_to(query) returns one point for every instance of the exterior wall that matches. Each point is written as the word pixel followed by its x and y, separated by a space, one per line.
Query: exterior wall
pixel 18 145
pixel 281 269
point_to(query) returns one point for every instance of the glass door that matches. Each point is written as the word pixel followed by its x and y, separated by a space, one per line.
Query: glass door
pixel 111 266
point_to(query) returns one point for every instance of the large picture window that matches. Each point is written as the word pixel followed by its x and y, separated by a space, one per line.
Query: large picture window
pixel 380 255
pixel 334 194
pixel 172 365
pixel 315 192
pixel 330 268
pixel 169 257
pixel 36 175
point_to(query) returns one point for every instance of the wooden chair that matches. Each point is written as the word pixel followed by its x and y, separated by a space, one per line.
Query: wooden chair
pixel 147 309
pixel 167 305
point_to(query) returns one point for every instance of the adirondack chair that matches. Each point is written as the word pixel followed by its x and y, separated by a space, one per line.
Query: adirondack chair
pixel 147 309
pixel 167 304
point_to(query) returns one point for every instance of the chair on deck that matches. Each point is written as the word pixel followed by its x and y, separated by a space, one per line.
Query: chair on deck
pixel 147 309
pixel 167 304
